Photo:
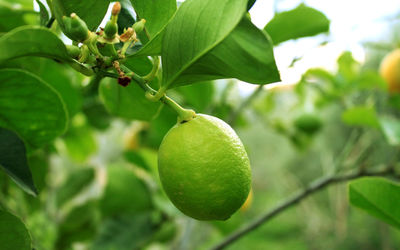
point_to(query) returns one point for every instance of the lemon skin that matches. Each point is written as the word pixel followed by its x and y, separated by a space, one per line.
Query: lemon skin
pixel 204 168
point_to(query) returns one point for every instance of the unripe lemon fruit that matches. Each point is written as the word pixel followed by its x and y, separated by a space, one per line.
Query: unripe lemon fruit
pixel 308 123
pixel 390 70
pixel 204 168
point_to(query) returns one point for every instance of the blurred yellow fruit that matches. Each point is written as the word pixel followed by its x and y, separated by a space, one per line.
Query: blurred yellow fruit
pixel 247 204
pixel 131 136
pixel 390 70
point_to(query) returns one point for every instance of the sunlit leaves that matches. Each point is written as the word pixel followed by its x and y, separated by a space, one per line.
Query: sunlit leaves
pixel 246 54
pixel 197 27
pixel 300 22
pixel 361 116
pixel 157 17
pixel 378 197
pixel 204 43
pixel 156 13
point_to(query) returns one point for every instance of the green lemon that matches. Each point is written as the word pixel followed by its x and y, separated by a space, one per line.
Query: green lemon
pixel 308 123
pixel 204 168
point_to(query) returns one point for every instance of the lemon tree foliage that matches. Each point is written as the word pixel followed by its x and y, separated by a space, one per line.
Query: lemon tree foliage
pixel 13 160
pixel 14 234
pixel 302 21
pixel 192 48
pixel 377 197
pixel 15 17
pixel 114 133
pixel 92 12
pixel 42 42
pixel 37 122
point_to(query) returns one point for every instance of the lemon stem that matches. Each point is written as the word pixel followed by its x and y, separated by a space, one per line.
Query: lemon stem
pixel 184 115
pixel 149 77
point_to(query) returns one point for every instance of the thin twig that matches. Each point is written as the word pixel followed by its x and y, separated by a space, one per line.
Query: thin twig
pixel 50 22
pixel 235 113
pixel 317 185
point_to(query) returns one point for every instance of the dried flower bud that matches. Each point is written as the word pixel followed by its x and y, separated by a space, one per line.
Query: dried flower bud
pixel 124 81
pixel 129 34
pixel 116 9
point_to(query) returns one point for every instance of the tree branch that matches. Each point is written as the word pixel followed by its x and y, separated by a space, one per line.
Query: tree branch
pixel 315 186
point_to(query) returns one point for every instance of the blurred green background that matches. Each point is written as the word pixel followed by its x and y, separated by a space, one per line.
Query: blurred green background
pixel 99 186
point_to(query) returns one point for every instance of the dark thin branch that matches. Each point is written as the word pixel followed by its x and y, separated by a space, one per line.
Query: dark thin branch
pixel 314 187
pixel 235 113
pixel 50 22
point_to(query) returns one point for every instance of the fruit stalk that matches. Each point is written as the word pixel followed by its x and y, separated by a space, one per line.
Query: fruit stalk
pixel 184 115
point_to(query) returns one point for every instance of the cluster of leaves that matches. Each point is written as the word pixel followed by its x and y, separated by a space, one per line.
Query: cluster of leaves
pixel 356 108
pixel 61 133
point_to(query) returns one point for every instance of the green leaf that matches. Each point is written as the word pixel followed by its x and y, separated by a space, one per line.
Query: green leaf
pixel 44 15
pixel 13 233
pixel 371 80
pixel 158 127
pixel 152 48
pixel 79 140
pixel 320 74
pixel 197 27
pixel 10 17
pixel 246 54
pixel 96 114
pixel 125 193
pixel 361 116
pixel 378 197
pixel 302 21
pixel 391 129
pixel 59 76
pixel 125 232
pixel 156 14
pixel 26 4
pixel 137 159
pixel 394 100
pixel 31 107
pixel 250 4
pixel 14 162
pixel 90 11
pixel 32 41
pixel 157 17
pixel 198 96
pixel 74 184
pixel 78 226
pixel 39 165
pixel 126 16
pixel 140 65
pixel 127 102
pixel 348 67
